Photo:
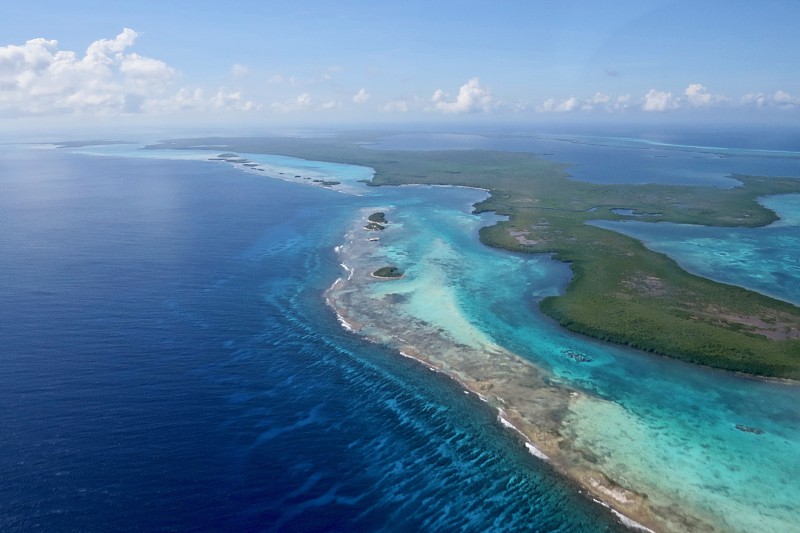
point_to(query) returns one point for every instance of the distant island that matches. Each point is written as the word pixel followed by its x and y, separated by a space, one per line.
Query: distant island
pixel 82 144
pixel 620 291
pixel 378 218
pixel 388 272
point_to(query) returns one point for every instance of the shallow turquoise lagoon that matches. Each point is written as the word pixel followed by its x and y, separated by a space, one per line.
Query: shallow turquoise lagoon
pixel 664 427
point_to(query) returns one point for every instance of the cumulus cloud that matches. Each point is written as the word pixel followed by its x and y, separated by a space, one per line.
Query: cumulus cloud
pixel 223 100
pixel 755 99
pixel 598 102
pixel 785 100
pixel 300 102
pixel 397 106
pixel 658 101
pixel 622 103
pixel 37 78
pixel 196 100
pixel 471 98
pixel 697 95
pixel 779 99
pixel 361 96
pixel 552 105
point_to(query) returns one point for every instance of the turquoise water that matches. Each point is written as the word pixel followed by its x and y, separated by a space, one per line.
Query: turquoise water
pixel 654 425
pixel 766 260
pixel 290 169
pixel 662 427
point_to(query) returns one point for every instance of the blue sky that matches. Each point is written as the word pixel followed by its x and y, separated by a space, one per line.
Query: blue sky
pixel 352 61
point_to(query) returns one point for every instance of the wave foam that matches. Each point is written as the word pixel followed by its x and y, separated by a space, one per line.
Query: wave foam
pixel 349 270
pixel 345 324
pixel 533 450
pixel 536 452
pixel 630 523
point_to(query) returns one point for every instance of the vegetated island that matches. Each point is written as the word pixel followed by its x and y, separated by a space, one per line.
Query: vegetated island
pixel 620 291
pixel 378 217
pixel 388 272
pixel 374 226
pixel 82 144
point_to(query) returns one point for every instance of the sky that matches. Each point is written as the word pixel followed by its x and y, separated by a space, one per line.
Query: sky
pixel 352 61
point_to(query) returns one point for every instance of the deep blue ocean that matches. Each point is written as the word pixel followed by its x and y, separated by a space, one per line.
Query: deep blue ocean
pixel 168 363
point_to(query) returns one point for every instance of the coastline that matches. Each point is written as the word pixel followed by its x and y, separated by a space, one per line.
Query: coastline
pixel 538 198
pixel 527 400
pixel 348 320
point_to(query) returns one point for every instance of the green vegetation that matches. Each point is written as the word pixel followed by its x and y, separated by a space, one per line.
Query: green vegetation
pixel 620 291
pixel 388 272
pixel 326 183
pixel 378 218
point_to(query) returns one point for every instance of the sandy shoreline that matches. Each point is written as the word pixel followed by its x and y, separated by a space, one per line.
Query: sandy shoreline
pixel 528 402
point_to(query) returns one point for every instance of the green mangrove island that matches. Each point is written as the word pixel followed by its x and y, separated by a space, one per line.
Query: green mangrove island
pixel 620 291
pixel 378 217
pixel 389 272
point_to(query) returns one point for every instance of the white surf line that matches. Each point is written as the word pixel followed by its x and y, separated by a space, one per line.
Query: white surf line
pixel 425 363
pixel 345 324
pixel 624 520
pixel 533 450
pixel 350 271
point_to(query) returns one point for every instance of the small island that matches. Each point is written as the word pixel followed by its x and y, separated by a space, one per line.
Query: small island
pixel 388 272
pixel 378 217
pixel 327 183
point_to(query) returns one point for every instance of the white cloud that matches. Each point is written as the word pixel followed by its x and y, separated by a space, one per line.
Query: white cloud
pixel 780 99
pixel 397 106
pixel 239 71
pixel 196 100
pixel 622 103
pixel 361 96
pixel 658 101
pixel 697 95
pixel 551 105
pixel 300 102
pixel 599 99
pixel 39 79
pixel 232 101
pixel 331 104
pixel 472 98
pixel 101 50
pixel 785 100
pixel 754 99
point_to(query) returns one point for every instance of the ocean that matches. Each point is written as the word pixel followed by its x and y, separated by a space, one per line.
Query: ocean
pixel 170 362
